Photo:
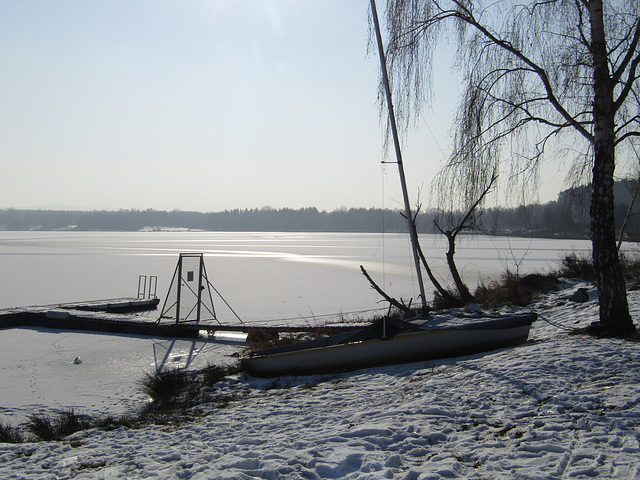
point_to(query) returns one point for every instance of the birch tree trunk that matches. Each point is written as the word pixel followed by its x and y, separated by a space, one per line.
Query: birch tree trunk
pixel 614 310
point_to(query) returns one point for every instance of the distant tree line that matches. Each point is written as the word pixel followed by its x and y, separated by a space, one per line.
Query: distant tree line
pixel 566 217
pixel 259 220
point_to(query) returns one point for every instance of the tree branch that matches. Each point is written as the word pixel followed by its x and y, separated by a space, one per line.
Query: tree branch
pixel 403 308
pixel 469 19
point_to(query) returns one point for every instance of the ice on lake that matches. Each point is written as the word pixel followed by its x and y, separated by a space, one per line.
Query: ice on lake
pixel 39 370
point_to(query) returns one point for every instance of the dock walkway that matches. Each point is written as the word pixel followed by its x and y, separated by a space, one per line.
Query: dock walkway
pixel 118 316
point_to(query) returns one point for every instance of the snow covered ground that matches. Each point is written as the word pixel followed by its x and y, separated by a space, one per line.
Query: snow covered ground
pixel 560 406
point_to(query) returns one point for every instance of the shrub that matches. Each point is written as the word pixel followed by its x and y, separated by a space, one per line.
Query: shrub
pixel 261 339
pixel 68 422
pixel 577 266
pixel 111 423
pixel 41 427
pixel 10 434
pixel 581 267
pixel 164 385
pixel 513 289
pixel 442 303
pixel 56 427
pixel 212 374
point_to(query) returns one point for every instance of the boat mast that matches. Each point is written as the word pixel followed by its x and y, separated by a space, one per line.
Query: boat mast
pixel 392 118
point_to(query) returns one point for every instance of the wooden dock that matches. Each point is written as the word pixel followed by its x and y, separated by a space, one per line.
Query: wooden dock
pixel 117 305
pixel 117 316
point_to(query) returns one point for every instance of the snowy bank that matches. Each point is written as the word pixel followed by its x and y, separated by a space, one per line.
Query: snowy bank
pixel 560 406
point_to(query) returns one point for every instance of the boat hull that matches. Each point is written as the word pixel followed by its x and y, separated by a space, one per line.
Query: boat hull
pixel 405 347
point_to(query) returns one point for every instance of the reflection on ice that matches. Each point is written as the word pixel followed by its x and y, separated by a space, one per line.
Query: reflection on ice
pixel 196 354
pixel 168 355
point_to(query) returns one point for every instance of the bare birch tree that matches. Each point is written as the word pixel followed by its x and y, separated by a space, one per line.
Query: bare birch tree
pixel 536 73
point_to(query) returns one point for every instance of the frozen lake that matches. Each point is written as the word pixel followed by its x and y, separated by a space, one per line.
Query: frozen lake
pixel 38 371
pixel 301 277
pixel 262 275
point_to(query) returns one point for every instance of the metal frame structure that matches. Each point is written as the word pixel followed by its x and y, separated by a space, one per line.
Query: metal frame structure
pixel 179 282
pixel 142 286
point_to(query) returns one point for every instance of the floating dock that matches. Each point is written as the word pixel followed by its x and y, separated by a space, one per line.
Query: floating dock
pixel 189 288
pixel 118 316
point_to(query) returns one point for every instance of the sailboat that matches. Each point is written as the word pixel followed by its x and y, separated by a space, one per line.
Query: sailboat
pixel 390 341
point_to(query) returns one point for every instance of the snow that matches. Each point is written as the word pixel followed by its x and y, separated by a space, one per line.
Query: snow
pixel 560 406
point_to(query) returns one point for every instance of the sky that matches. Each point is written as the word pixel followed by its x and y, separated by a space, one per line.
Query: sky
pixel 204 105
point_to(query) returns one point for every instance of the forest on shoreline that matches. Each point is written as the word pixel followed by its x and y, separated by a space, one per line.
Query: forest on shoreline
pixel 566 217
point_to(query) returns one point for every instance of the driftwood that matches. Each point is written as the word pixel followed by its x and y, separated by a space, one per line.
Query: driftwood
pixel 400 306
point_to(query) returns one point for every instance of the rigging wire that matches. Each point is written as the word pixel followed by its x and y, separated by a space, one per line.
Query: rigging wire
pixel 323 317
pixel 225 301
pixel 384 263
pixel 426 124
